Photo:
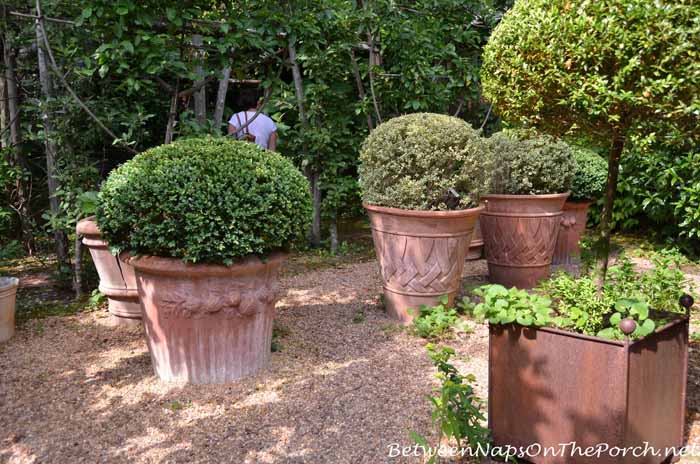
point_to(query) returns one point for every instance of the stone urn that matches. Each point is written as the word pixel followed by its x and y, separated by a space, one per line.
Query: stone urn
pixel 520 232
pixel 207 323
pixel 421 255
pixel 476 246
pixel 8 294
pixel 117 279
pixel 567 252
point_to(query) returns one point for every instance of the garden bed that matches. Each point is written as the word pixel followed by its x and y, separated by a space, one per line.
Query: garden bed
pixel 347 383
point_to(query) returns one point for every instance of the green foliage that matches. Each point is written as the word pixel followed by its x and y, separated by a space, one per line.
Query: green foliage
pixel 660 188
pixel 590 176
pixel 210 200
pixel 604 67
pixel 636 310
pixel 578 303
pixel 456 407
pixel 507 306
pixel 435 321
pixel 526 163
pixel 420 161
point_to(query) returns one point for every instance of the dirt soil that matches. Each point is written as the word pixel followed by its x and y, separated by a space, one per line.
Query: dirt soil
pixel 346 385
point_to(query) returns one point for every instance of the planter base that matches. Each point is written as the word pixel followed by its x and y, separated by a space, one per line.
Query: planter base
pixel 526 277
pixel 400 307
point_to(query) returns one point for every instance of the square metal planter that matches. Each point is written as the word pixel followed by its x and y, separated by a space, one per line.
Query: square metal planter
pixel 550 387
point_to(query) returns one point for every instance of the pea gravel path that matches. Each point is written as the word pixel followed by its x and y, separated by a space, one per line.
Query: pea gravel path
pixel 346 384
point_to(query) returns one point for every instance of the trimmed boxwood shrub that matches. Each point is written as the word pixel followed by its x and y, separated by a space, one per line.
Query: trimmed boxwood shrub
pixel 210 200
pixel 590 176
pixel 419 161
pixel 526 163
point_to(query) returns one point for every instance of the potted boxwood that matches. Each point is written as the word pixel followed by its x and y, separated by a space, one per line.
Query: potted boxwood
pixel 117 278
pixel 205 222
pixel 588 185
pixel 8 294
pixel 570 365
pixel 421 175
pixel 532 175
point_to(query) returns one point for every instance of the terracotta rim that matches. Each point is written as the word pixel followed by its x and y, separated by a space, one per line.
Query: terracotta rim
pixel 421 213
pixel 498 196
pixel 88 226
pixel 176 267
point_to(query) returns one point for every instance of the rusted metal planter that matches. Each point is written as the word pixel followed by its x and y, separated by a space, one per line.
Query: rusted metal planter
pixel 117 278
pixel 550 387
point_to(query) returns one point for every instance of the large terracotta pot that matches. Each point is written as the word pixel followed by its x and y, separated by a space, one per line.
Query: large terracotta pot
pixel 519 236
pixel 8 293
pixel 567 251
pixel 421 255
pixel 476 246
pixel 207 323
pixel 117 278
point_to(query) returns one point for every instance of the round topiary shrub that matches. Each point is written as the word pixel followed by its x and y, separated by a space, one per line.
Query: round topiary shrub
pixel 424 161
pixel 590 176
pixel 526 163
pixel 210 200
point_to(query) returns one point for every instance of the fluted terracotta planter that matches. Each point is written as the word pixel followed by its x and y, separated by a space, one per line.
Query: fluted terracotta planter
pixel 476 246
pixel 207 323
pixel 567 252
pixel 520 232
pixel 8 294
pixel 117 279
pixel 421 255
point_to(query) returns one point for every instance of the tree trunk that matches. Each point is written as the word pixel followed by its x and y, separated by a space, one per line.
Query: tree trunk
pixel 21 200
pixel 200 96
pixel 4 118
pixel 221 98
pixel 333 232
pixel 50 146
pixel 616 150
pixel 360 87
pixel 78 267
pixel 172 114
pixel 312 171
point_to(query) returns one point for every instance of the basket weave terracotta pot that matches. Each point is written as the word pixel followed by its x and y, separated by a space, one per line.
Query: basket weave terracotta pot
pixel 207 323
pixel 520 232
pixel 476 246
pixel 8 295
pixel 117 279
pixel 567 252
pixel 421 255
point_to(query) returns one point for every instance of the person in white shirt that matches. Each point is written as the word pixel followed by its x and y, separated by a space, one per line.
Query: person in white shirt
pixel 261 130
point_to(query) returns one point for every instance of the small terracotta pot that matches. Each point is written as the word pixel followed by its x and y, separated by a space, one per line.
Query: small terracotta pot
pixel 117 279
pixel 476 246
pixel 8 294
pixel 421 255
pixel 207 323
pixel 567 251
pixel 519 236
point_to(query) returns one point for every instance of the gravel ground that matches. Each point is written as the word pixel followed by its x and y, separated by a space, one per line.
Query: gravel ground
pixel 346 385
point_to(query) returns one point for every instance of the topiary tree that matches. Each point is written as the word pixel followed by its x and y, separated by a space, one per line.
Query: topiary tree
pixel 526 163
pixel 604 67
pixel 424 161
pixel 590 175
pixel 208 200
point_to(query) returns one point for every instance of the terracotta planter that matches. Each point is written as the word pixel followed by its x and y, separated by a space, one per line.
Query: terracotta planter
pixel 520 232
pixel 550 387
pixel 421 255
pixel 476 246
pixel 567 251
pixel 8 294
pixel 117 279
pixel 207 323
